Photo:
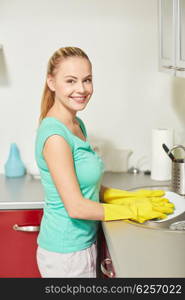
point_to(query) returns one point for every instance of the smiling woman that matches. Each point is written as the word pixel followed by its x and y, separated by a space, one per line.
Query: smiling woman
pixel 72 92
pixel 70 170
pixel 69 82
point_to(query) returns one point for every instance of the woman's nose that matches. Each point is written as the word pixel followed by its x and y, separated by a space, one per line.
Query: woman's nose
pixel 80 87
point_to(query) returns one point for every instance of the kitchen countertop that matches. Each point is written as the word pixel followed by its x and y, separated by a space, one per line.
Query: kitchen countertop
pixel 21 193
pixel 134 249
pixel 129 181
pixel 27 192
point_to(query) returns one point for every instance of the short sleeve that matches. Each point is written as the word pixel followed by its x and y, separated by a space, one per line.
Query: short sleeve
pixel 46 130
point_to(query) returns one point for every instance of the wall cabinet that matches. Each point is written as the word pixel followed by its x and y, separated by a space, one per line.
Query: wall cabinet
pixel 172 37
pixel 18 235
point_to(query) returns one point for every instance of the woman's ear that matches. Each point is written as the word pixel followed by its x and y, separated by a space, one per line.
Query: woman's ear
pixel 51 83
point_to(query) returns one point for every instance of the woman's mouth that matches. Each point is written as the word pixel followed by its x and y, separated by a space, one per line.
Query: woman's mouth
pixel 79 99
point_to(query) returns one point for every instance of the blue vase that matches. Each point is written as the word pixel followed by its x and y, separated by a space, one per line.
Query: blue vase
pixel 14 166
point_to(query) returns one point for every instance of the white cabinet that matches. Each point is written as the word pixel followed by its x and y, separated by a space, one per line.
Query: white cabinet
pixel 180 53
pixel 172 37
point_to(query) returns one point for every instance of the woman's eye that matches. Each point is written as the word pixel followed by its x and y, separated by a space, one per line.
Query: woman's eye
pixel 73 81
pixel 70 81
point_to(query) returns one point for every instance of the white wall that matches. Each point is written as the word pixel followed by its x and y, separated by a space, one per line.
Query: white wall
pixel 131 97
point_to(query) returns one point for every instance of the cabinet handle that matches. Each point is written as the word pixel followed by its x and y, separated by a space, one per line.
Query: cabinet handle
pixel 180 69
pixel 170 67
pixel 26 228
pixel 107 261
pixel 174 68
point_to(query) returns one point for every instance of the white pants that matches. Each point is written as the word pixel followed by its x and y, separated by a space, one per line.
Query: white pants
pixel 67 265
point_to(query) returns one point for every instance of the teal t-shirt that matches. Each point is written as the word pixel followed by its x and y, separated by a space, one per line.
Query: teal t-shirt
pixel 58 231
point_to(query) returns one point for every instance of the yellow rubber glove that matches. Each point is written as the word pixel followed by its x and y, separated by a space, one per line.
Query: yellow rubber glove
pixel 162 205
pixel 151 207
pixel 158 203
pixel 110 194
pixel 139 210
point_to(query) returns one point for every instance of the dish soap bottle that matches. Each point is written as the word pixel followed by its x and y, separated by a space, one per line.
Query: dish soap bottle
pixel 14 166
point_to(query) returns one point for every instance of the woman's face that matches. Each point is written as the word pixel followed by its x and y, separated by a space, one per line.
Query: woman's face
pixel 72 83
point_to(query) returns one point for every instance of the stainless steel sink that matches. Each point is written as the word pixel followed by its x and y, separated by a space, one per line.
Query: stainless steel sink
pixel 165 225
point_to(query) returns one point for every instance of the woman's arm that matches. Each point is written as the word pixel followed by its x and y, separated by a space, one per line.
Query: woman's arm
pixel 58 156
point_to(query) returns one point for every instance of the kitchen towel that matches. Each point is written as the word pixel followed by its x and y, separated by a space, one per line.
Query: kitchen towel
pixel 161 163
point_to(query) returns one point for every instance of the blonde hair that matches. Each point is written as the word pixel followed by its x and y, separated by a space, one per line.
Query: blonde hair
pixel 48 96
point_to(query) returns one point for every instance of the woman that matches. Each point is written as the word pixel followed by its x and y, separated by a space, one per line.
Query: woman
pixel 71 173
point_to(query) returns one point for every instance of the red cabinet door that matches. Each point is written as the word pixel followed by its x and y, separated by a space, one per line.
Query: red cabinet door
pixel 18 235
pixel 105 268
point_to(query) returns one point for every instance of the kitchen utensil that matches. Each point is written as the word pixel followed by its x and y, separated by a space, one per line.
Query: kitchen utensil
pixel 178 173
pixel 167 150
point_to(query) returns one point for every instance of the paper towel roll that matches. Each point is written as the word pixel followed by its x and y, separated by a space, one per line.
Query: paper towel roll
pixel 161 163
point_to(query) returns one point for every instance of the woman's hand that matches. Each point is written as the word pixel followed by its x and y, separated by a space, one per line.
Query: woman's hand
pixel 140 205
